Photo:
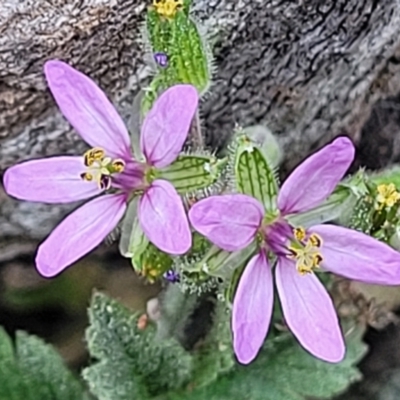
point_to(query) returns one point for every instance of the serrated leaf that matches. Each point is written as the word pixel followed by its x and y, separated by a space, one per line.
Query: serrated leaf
pixel 6 346
pixel 284 371
pixel 34 371
pixel 143 363
pixel 254 176
pixel 189 173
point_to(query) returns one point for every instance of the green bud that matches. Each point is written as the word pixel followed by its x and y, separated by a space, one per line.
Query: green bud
pixel 151 263
pixel 264 139
pixel 190 173
pixel 254 175
pixel 189 57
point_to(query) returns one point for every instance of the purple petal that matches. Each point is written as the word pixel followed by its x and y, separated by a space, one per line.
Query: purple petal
pixel 309 312
pixel 316 177
pixel 87 109
pixel 167 124
pixel 252 308
pixel 49 180
pixel 229 221
pixel 163 218
pixel 79 233
pixel 357 256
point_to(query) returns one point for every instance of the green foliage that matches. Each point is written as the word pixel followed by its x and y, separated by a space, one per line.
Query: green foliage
pixel 214 356
pixel 132 363
pixel 254 175
pixel 177 306
pixel 34 371
pixel 284 371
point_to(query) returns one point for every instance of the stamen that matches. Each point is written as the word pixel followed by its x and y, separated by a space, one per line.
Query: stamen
pixel 86 176
pixel 92 155
pixel 105 182
pixel 387 196
pixel 299 234
pixel 100 167
pixel 315 240
pixel 307 254
pixel 167 8
pixel 118 165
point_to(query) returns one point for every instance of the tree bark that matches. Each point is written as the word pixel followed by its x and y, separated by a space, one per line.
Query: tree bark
pixel 309 69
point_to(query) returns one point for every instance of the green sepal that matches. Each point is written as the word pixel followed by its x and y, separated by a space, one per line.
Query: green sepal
pixel 254 175
pixel 221 263
pixel 331 209
pixel 133 241
pixel 193 172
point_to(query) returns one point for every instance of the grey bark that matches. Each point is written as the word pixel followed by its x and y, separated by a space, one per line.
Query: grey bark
pixel 309 69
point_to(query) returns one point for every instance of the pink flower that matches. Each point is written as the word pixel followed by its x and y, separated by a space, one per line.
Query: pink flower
pixel 108 166
pixel 234 221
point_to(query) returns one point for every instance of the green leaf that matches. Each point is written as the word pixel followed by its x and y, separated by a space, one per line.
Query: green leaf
pixel 214 357
pixel 132 363
pixel 193 172
pixel 34 371
pixel 284 371
pixel 254 176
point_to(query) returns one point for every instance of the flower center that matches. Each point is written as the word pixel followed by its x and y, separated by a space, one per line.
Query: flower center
pixel 99 167
pixel 387 196
pixel 167 8
pixel 306 251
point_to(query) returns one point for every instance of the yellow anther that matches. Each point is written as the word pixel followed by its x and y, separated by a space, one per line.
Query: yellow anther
pixel 315 240
pixel 307 255
pixel 92 155
pixel 167 8
pixel 118 165
pixel 387 196
pixel 299 234
pixel 100 168
pixel 86 176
